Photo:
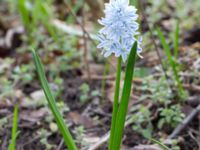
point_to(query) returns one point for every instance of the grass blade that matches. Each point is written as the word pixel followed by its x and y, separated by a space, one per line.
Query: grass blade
pixel 165 46
pixel 171 61
pixel 52 104
pixel 24 13
pixel 176 41
pixel 12 144
pixel 123 106
pixel 164 147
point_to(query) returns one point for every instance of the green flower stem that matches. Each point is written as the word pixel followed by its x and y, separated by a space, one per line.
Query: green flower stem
pixel 123 106
pixel 52 104
pixel 116 101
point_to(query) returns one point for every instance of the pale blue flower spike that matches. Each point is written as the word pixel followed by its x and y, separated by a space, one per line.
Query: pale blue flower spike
pixel 120 29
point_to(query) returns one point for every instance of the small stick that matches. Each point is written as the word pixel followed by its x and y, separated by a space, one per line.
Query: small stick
pixel 85 46
pixel 60 145
pixel 101 141
pixel 81 25
pixel 185 122
pixel 191 87
pixel 91 38
pixel 71 30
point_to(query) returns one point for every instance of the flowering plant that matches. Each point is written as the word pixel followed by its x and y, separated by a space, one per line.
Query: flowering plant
pixel 119 37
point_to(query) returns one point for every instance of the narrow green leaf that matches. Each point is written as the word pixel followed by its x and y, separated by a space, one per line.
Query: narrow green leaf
pixel 116 102
pixel 164 147
pixel 165 46
pixel 123 106
pixel 52 104
pixel 24 13
pixel 12 144
pixel 170 59
pixel 176 41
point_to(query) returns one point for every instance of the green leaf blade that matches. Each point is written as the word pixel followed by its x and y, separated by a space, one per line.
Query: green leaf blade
pixel 176 41
pixel 171 60
pixel 52 104
pixel 115 103
pixel 123 106
pixel 12 144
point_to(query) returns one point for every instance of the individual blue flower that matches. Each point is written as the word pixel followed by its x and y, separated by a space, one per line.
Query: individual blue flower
pixel 120 29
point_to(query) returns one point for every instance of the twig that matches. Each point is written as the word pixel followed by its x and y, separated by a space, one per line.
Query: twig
pixel 111 77
pixel 85 47
pixel 91 37
pixel 101 141
pixel 193 88
pixel 185 122
pixel 81 25
pixel 70 30
pixel 60 145
pixel 31 141
pixel 191 132
pixel 98 77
